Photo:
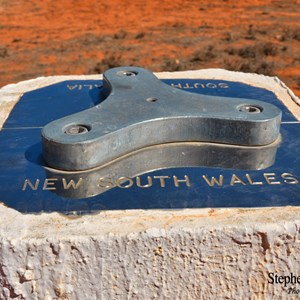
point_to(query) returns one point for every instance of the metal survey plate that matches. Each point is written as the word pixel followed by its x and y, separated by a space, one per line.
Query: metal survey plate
pixel 145 180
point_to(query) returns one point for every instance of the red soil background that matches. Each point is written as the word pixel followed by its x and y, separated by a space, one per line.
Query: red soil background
pixel 55 37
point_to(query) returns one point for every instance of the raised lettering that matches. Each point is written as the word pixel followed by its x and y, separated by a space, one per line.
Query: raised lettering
pixel 213 180
pixel 34 187
pixel 253 182
pixel 235 179
pixel 186 180
pixel 71 183
pixel 289 178
pixel 211 85
pixel 148 184
pixel 162 180
pixel 223 85
pixel 105 182
pixel 187 86
pixel 196 85
pixel 120 181
pixel 270 177
pixel 49 184
pixel 179 86
pixel 90 86
pixel 72 87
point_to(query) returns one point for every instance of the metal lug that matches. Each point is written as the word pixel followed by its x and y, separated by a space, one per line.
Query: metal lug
pixel 142 111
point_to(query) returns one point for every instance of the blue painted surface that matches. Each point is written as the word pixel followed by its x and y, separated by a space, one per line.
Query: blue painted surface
pixel 20 158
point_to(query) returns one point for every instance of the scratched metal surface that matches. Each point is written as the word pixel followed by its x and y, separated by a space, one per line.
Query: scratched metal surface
pixel 179 185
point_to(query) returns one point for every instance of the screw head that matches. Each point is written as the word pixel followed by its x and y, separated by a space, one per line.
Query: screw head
pixel 249 108
pixel 127 73
pixel 77 129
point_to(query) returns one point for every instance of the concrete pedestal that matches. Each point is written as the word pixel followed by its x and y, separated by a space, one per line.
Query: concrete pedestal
pixel 165 254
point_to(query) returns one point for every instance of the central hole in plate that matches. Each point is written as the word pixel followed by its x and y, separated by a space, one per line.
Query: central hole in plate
pixel 151 99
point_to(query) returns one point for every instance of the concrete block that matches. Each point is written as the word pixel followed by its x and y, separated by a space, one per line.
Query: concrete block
pixel 151 254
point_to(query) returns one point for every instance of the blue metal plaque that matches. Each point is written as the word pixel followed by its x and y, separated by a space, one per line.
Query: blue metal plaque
pixel 159 177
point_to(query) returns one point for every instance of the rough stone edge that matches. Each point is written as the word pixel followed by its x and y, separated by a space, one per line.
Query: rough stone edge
pixel 18 226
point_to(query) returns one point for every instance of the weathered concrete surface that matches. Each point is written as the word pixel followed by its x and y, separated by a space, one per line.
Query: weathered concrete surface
pixel 188 254
pixel 180 254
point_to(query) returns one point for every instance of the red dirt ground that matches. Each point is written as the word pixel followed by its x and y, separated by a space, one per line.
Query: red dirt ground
pixel 41 38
